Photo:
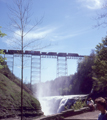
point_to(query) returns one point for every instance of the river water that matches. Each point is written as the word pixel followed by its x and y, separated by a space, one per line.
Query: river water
pixel 56 104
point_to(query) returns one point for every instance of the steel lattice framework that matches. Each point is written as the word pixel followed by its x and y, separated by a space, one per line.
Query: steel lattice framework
pixel 36 57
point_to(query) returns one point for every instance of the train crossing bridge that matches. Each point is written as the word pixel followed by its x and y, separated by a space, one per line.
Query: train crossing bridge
pixel 36 57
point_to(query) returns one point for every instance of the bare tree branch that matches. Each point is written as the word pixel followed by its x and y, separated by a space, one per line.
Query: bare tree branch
pixel 102 17
pixel 33 26
pixel 19 18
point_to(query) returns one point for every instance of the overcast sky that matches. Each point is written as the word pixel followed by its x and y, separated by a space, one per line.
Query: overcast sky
pixel 68 25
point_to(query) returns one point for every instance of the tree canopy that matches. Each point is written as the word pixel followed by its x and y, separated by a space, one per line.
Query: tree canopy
pixel 83 78
pixel 2 34
pixel 100 66
pixel 1 51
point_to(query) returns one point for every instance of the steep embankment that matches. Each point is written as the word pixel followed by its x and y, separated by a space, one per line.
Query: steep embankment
pixel 10 100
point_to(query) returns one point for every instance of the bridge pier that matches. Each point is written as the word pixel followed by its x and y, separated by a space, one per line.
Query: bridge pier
pixel 35 69
pixel 10 61
pixel 62 69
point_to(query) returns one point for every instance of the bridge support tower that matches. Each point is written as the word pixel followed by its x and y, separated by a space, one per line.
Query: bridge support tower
pixel 35 69
pixel 62 69
pixel 10 61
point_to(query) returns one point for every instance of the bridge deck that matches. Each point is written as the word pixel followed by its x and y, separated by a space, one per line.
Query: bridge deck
pixel 38 53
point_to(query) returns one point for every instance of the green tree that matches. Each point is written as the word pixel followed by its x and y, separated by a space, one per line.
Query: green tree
pixel 1 59
pixel 1 51
pixel 100 66
pixel 83 79
pixel 2 34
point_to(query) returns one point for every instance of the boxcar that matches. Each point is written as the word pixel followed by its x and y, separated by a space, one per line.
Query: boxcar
pixel 73 54
pixel 43 53
pixel 62 54
pixel 52 53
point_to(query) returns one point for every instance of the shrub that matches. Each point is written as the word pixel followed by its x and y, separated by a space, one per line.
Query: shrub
pixel 78 104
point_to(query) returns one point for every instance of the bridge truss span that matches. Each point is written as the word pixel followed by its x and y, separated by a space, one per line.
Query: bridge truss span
pixel 36 59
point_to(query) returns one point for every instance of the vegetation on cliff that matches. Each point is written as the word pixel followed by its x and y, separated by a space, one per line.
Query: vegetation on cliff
pixel 10 97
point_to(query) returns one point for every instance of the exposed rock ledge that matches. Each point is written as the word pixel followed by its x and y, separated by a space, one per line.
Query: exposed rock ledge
pixel 64 114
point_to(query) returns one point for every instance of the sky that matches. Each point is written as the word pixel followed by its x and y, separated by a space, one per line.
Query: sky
pixel 67 26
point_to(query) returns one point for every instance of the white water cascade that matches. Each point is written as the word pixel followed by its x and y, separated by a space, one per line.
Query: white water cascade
pixel 56 104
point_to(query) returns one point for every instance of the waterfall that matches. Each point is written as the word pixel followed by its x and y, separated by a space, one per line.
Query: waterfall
pixel 56 104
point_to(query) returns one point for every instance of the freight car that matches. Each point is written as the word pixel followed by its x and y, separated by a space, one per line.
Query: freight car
pixel 14 51
pixel 43 53
pixel 62 54
pixel 73 54
pixel 32 52
pixel 52 53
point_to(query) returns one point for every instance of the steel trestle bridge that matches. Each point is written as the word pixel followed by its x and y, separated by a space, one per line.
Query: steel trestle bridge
pixel 36 57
